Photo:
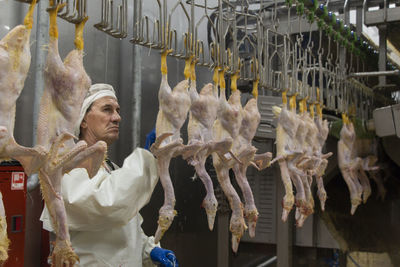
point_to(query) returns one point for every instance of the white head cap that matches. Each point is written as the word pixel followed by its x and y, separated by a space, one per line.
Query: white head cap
pixel 96 91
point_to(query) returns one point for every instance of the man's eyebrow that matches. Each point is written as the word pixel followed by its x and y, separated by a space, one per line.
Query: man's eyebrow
pixel 110 106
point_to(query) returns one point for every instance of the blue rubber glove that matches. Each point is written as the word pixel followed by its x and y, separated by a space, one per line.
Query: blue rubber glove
pixel 163 257
pixel 150 138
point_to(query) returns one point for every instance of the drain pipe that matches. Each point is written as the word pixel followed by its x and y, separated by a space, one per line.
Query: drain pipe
pixel 41 40
pixel 267 262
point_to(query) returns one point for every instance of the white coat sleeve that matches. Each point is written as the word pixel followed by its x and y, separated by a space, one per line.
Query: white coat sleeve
pixel 148 245
pixel 108 200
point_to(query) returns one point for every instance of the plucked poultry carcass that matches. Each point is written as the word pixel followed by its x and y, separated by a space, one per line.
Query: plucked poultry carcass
pixel 304 204
pixel 203 112
pixel 303 164
pixel 227 125
pixel 15 59
pixel 285 136
pixel 366 150
pixel 246 154
pixel 174 106
pixel 66 84
pixel 323 131
pixel 374 172
pixel 4 241
pixel 348 164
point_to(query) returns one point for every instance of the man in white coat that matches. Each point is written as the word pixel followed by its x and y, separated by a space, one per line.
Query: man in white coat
pixel 103 212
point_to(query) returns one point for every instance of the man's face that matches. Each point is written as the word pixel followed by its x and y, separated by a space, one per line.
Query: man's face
pixel 101 122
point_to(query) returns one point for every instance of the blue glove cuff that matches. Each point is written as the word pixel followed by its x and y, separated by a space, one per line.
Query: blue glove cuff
pixel 163 257
pixel 150 138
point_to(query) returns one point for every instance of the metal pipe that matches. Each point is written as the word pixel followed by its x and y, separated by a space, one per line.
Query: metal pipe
pixel 375 73
pixel 41 40
pixel 365 8
pixel 346 11
pixel 137 84
pixel 359 19
pixel 267 262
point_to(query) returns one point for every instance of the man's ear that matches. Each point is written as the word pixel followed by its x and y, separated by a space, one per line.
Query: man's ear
pixel 84 123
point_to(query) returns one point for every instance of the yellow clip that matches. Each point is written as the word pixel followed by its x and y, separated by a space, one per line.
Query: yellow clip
pixel 53 29
pixel 345 119
pixel 292 102
pixel 215 76
pixel 192 70
pixel 234 78
pixel 164 69
pixel 222 78
pixel 186 71
pixel 28 20
pixel 255 88
pixel 284 97
pixel 79 34
pixel 301 106
pixel 312 110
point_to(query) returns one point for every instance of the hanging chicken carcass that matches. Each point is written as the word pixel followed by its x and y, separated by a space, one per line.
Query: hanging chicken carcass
pixel 285 136
pixel 174 106
pixel 203 112
pixel 66 84
pixel 227 125
pixel 348 164
pixel 245 152
pixel 15 60
pixel 323 131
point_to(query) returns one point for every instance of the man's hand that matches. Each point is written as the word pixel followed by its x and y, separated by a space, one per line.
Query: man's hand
pixel 163 257
pixel 150 138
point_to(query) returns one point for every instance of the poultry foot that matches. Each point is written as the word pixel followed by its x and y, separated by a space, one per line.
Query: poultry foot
pixel 63 254
pixel 210 204
pixel 251 217
pixel 166 216
pixel 237 227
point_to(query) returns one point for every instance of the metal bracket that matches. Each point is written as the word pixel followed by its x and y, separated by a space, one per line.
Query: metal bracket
pixel 74 10
pixel 107 19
